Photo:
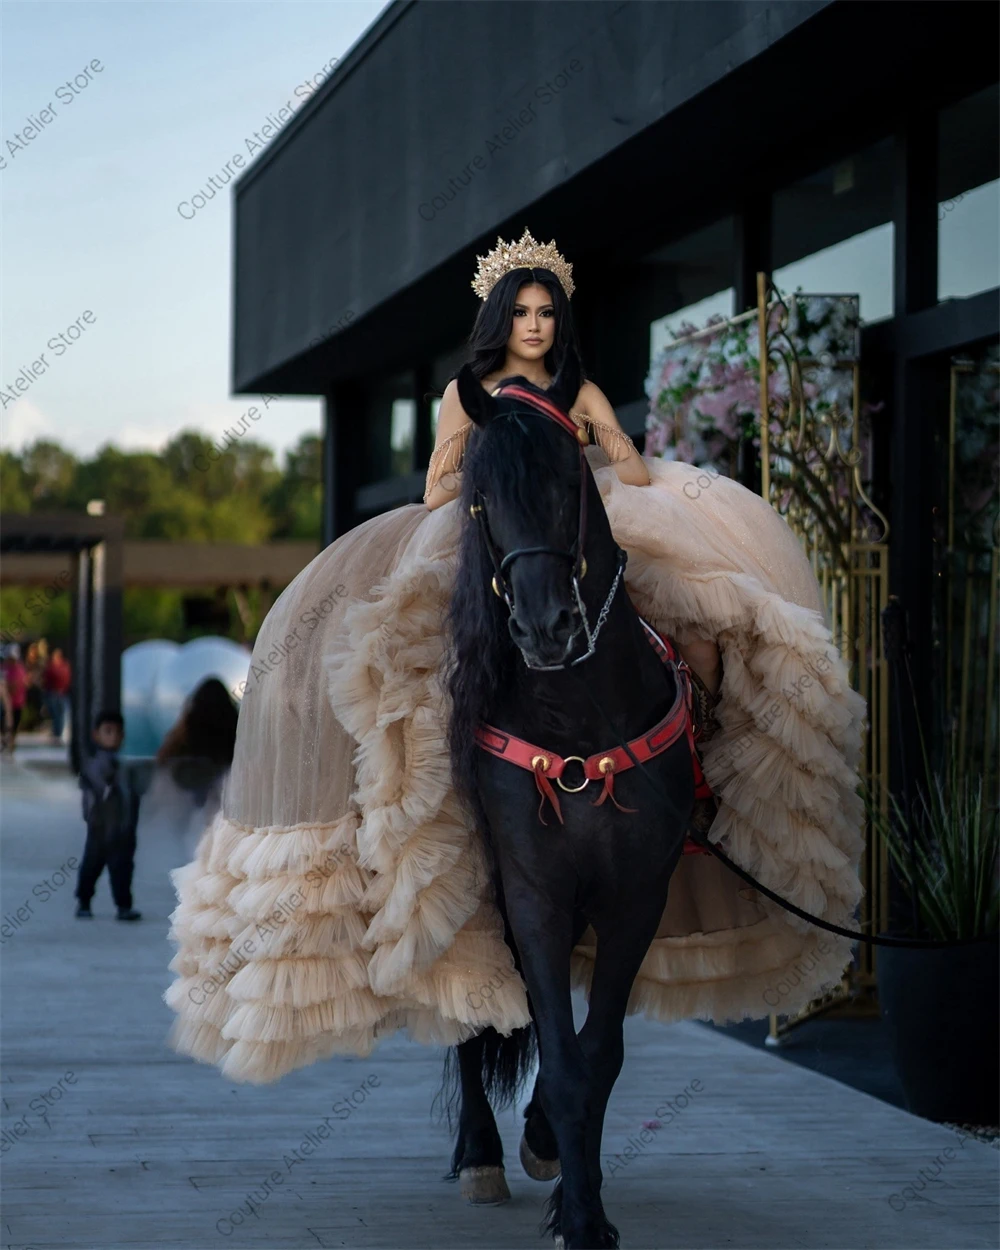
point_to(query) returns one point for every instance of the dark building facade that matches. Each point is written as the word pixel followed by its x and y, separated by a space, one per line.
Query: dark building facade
pixel 673 150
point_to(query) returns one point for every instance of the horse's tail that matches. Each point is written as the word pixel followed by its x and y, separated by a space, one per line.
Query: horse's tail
pixel 508 1063
pixel 506 1066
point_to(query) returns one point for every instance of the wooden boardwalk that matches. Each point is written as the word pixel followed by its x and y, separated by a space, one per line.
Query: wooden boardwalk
pixel 111 1140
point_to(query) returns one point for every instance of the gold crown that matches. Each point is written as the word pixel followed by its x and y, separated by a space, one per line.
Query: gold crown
pixel 526 253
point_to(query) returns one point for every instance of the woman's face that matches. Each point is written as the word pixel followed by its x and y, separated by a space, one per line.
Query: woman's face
pixel 533 329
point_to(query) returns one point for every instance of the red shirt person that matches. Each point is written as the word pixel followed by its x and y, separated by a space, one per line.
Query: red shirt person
pixel 57 675
pixel 56 681
pixel 16 678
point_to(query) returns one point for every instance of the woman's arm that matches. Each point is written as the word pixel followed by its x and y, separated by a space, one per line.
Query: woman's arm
pixel 444 471
pixel 620 450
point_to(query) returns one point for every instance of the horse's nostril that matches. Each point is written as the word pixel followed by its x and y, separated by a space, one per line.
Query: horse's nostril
pixel 517 630
pixel 548 637
pixel 562 625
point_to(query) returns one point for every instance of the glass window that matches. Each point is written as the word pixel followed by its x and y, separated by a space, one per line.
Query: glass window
pixel 443 369
pixel 401 435
pixel 833 232
pixel 969 195
pixel 389 427
pixel 692 278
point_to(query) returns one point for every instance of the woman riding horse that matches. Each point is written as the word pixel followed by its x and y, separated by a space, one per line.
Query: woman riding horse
pixel 429 819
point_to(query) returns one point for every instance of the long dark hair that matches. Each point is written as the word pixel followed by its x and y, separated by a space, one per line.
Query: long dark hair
pixel 488 340
pixel 206 729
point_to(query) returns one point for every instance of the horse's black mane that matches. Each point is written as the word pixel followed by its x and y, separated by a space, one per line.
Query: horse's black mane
pixel 508 460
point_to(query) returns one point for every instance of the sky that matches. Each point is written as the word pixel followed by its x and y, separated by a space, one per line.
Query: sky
pixel 116 308
pixel 136 103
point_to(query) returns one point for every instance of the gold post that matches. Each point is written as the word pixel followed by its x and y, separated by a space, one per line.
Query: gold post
pixel 854 530
pixel 765 404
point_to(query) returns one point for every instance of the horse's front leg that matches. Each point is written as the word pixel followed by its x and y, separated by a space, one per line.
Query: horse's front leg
pixel 543 930
pixel 477 1160
pixel 624 933
pixel 539 1151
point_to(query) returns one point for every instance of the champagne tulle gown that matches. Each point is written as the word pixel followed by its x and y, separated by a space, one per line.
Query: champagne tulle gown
pixel 339 896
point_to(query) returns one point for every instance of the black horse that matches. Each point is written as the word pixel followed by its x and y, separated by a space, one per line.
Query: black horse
pixel 599 866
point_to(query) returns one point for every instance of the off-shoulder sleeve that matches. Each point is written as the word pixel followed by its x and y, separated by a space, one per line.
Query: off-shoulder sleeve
pixel 447 457
pixel 615 443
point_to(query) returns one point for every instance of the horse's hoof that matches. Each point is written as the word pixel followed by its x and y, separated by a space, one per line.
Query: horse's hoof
pixel 484 1186
pixel 538 1169
pixel 559 1242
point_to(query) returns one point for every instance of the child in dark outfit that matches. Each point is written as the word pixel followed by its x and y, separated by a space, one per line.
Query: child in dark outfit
pixel 111 810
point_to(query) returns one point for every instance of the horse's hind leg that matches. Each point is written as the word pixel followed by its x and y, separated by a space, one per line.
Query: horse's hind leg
pixel 477 1161
pixel 539 1152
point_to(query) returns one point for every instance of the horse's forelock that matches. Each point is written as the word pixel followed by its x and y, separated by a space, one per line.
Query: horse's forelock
pixel 516 461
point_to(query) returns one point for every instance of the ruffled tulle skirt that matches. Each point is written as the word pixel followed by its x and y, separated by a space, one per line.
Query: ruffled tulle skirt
pixel 339 894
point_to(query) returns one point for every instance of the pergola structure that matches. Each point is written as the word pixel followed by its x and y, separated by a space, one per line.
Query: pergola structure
pixel 91 570
pixel 89 557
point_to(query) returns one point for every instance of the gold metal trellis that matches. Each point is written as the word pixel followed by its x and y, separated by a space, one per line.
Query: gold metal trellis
pixel 813 453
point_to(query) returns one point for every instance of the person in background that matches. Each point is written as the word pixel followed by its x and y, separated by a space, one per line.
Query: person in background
pixel 192 764
pixel 56 680
pixel 111 810
pixel 5 710
pixel 16 678
pixel 36 656
pixel 199 748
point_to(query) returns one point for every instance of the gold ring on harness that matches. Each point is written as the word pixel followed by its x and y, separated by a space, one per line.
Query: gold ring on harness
pixel 586 780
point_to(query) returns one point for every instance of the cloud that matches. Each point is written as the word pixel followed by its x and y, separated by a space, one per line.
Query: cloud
pixel 24 423
pixel 143 437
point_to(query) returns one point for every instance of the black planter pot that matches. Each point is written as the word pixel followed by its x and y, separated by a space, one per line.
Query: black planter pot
pixel 942 1010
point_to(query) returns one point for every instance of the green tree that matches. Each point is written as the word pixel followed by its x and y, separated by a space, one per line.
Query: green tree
pixel 131 483
pixel 297 501
pixel 14 493
pixel 194 490
pixel 48 471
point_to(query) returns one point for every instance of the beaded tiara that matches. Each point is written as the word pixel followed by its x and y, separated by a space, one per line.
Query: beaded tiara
pixel 526 253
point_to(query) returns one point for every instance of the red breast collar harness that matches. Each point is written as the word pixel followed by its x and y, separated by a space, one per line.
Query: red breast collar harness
pixel 547 766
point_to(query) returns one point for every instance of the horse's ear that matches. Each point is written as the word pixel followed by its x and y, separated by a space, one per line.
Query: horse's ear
pixel 566 384
pixel 479 407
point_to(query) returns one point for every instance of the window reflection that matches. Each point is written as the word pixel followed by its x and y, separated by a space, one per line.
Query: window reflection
pixel 691 280
pixel 833 231
pixel 389 427
pixel 969 195
pixel 401 434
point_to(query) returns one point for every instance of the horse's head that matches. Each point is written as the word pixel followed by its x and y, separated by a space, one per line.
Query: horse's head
pixel 526 476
